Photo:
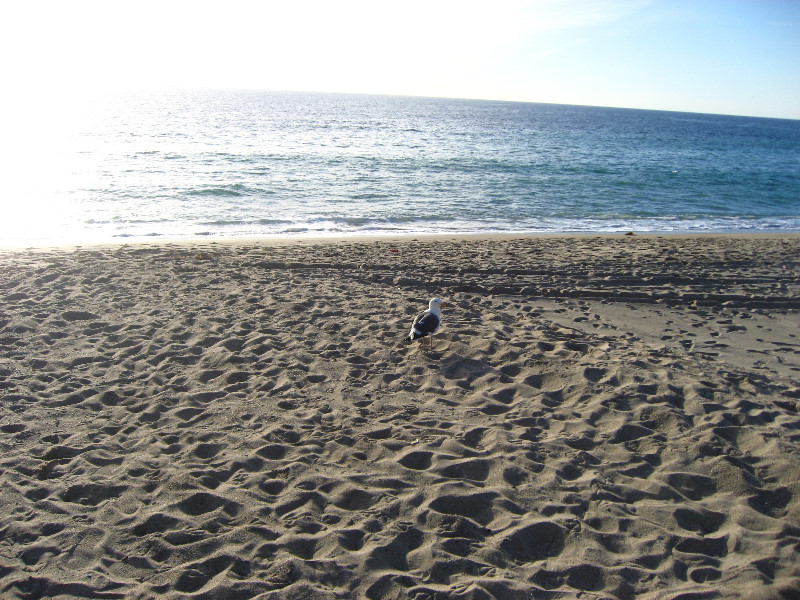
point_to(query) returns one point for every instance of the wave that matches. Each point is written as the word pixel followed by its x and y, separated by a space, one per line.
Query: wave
pixel 234 190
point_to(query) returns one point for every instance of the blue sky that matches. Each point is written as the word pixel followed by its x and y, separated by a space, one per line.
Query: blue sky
pixel 732 57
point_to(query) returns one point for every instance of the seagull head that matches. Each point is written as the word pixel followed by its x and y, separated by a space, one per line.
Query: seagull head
pixel 435 305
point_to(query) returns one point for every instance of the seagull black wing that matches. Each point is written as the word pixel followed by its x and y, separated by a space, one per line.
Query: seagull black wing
pixel 425 324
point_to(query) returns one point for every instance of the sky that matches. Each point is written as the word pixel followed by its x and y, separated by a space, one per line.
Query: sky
pixel 738 57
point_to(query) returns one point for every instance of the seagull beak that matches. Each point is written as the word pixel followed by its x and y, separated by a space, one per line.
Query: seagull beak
pixel 444 305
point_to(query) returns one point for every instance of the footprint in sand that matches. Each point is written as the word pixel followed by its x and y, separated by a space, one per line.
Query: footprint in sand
pixel 419 460
pixel 534 542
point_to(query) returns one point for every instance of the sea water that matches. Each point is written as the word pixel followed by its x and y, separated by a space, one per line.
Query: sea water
pixel 226 164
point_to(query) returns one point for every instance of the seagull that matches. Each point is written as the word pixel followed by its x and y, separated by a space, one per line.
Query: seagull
pixel 427 322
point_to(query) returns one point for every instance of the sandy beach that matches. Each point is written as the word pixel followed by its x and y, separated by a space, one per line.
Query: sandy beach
pixel 603 417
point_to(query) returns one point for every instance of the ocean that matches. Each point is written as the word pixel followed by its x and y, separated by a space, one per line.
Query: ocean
pixel 229 164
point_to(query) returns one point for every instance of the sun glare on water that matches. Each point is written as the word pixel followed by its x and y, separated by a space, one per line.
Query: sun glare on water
pixel 42 153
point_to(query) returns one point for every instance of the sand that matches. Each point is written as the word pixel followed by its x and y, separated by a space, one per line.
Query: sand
pixel 599 417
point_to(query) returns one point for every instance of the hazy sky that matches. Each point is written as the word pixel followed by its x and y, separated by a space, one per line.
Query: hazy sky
pixel 718 56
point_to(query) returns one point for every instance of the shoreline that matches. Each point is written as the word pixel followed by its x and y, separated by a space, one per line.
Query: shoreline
pixel 477 237
pixel 606 415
